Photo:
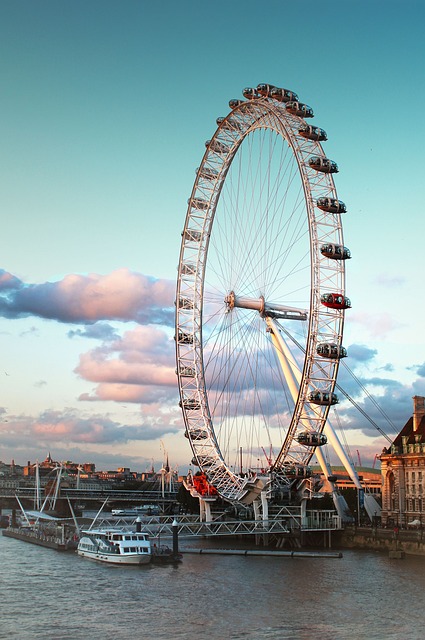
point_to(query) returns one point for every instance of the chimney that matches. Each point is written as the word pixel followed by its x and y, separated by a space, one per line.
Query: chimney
pixel 418 411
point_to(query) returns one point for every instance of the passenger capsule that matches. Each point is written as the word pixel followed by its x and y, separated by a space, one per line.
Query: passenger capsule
pixel 283 95
pixel 265 89
pixel 250 94
pixel 194 462
pixel 185 303
pixel 335 301
pixel 335 251
pixel 313 133
pixel 323 398
pixel 312 439
pixel 207 174
pixel 188 269
pixel 230 124
pixel 235 103
pixel 192 235
pixel 300 109
pixel 217 146
pixel 196 434
pixel 297 470
pixel 322 164
pixel 187 372
pixel 331 350
pixel 332 478
pixel 184 338
pixel 331 205
pixel 198 203
pixel 190 404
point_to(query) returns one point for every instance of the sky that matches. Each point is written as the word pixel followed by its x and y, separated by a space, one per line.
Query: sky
pixel 105 108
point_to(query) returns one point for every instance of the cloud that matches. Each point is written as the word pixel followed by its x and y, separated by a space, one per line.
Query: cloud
pixel 390 281
pixel 69 427
pixel 121 295
pixel 420 369
pixel 139 367
pixel 98 331
pixel 378 325
pixel 361 353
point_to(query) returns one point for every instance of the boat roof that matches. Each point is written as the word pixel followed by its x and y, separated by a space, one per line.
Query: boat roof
pixel 107 530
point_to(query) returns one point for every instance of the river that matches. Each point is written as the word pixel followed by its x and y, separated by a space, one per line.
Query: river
pixel 60 596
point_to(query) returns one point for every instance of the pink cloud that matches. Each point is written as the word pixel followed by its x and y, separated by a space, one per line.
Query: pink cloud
pixel 120 295
pixel 69 426
pixel 139 367
pixel 377 325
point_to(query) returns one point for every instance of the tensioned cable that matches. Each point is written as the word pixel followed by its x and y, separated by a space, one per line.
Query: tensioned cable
pixel 353 402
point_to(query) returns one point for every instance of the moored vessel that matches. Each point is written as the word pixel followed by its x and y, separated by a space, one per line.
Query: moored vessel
pixel 116 545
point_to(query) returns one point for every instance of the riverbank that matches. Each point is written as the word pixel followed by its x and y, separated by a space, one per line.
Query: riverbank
pixel 409 542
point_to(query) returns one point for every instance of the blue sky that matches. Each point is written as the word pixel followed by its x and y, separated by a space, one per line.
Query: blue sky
pixel 105 110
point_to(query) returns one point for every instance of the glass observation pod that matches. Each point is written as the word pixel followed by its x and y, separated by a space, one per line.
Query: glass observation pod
pixel 331 205
pixel 217 146
pixel 187 372
pixel 196 434
pixel 320 163
pixel 300 109
pixel 332 478
pixel 185 338
pixel 297 471
pixel 335 301
pixel 335 251
pixel 204 461
pixel 185 303
pixel 265 89
pixel 198 203
pixel 188 269
pixel 190 404
pixel 192 235
pixel 312 439
pixel 323 398
pixel 230 124
pixel 250 94
pixel 313 133
pixel 283 95
pixel 235 102
pixel 331 350
pixel 207 174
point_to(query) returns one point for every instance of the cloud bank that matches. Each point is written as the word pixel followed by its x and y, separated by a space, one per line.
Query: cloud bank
pixel 85 299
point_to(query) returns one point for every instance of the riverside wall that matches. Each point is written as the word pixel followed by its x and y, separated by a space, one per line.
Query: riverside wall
pixel 409 542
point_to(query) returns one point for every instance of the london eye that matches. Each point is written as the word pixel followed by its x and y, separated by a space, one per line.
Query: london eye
pixel 260 298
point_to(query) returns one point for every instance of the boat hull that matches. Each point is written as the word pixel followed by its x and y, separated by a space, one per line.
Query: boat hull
pixel 128 558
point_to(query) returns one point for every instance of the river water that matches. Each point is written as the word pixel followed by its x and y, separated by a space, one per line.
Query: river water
pixel 60 596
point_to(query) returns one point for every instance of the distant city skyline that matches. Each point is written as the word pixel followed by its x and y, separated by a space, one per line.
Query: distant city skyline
pixel 105 111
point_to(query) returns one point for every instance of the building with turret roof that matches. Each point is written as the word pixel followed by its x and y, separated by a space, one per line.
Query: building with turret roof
pixel 403 472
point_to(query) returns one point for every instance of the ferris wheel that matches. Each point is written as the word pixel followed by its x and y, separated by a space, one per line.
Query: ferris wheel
pixel 260 297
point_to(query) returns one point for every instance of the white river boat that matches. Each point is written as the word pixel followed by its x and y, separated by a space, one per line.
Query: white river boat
pixel 116 545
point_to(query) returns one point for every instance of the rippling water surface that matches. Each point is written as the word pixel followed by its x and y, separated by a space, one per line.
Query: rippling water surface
pixel 60 596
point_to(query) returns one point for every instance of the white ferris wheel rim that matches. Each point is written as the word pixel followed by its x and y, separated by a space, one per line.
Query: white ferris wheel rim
pixel 270 123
